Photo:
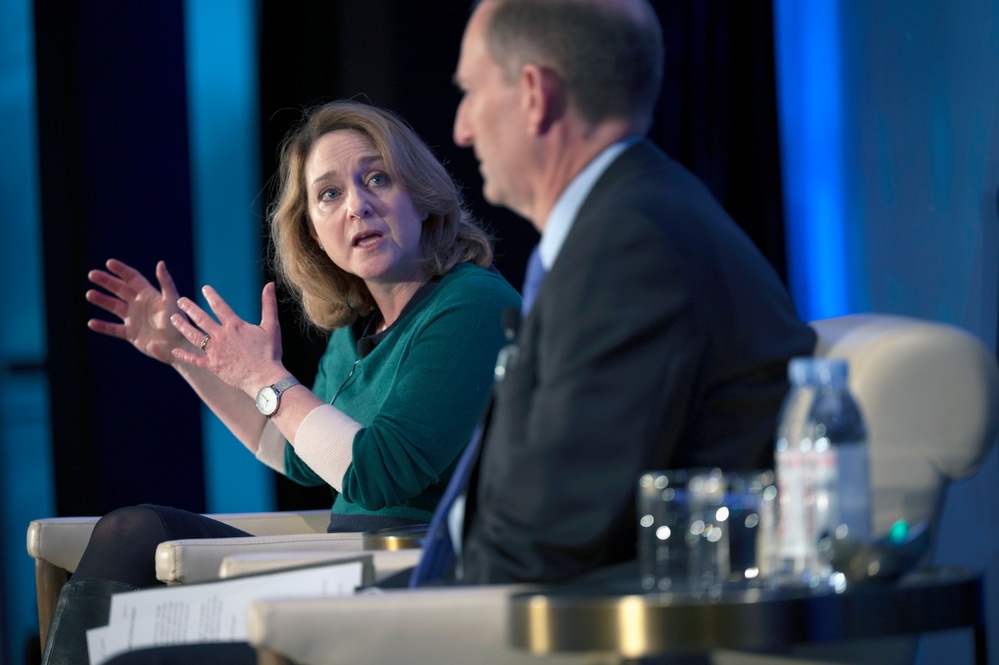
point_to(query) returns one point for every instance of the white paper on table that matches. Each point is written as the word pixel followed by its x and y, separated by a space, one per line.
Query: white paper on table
pixel 213 611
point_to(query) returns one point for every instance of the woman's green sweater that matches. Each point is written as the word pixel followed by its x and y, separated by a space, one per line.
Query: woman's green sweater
pixel 418 394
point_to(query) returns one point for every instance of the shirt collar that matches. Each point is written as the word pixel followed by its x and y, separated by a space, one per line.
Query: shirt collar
pixel 563 213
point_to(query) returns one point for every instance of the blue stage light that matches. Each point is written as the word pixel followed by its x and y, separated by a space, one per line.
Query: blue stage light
pixel 221 39
pixel 810 99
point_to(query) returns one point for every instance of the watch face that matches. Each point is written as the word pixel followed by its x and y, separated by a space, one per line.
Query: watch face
pixel 267 400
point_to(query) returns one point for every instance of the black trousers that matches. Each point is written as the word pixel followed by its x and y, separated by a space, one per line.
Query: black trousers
pixel 221 653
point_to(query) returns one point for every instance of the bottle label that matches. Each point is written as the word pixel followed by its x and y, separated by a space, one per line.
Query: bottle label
pixel 791 488
pixel 821 503
pixel 802 490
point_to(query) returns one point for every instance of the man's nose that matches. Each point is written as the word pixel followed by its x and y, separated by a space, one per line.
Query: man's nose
pixel 462 132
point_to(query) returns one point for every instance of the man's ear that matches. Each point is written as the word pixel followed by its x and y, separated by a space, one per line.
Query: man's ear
pixel 543 97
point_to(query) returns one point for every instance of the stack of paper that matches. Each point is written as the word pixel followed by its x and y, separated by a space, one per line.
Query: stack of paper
pixel 213 611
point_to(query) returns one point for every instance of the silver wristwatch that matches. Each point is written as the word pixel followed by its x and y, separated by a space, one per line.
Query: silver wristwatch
pixel 269 397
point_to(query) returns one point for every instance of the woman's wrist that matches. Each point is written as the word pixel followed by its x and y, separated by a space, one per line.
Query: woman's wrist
pixel 265 376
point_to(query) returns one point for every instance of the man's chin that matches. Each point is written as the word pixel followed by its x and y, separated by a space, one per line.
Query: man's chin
pixel 491 195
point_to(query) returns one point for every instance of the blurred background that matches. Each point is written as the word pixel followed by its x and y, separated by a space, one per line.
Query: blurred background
pixel 857 143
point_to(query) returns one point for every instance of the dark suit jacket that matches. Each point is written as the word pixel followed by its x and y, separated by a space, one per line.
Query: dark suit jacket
pixel 659 339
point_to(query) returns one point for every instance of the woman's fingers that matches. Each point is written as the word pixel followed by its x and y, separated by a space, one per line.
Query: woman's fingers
pixel 192 334
pixel 235 350
pixel 220 308
pixel 124 281
pixel 112 284
pixel 127 274
pixel 167 286
pixel 108 328
pixel 196 324
pixel 269 308
pixel 115 306
pixel 122 269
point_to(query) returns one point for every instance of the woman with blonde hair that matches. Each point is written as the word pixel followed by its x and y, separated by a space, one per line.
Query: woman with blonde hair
pixel 371 238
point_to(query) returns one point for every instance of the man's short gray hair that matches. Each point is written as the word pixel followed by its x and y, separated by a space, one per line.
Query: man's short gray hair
pixel 609 59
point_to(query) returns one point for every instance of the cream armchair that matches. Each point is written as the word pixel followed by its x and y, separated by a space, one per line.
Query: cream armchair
pixel 929 392
pixel 56 545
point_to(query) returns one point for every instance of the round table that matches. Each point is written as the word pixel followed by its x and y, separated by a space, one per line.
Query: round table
pixel 634 624
pixel 394 538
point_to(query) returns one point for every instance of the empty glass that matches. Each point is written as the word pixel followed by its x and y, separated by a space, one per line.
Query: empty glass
pixel 703 531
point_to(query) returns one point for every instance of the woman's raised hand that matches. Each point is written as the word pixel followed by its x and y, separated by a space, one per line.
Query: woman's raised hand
pixel 244 355
pixel 144 311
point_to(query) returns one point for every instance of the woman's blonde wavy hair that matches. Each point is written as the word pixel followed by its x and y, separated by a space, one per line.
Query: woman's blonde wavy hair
pixel 331 297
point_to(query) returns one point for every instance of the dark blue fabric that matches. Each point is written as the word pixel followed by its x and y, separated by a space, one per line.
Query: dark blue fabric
pixel 438 552
pixel 216 653
pixel 354 523
pixel 533 276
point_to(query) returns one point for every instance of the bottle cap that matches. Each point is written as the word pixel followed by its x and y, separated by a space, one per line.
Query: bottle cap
pixel 831 371
pixel 807 370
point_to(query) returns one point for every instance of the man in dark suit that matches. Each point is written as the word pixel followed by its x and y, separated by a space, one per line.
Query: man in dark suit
pixel 660 336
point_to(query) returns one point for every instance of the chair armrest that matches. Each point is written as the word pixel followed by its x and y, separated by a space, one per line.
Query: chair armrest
pixel 434 625
pixel 386 562
pixel 198 560
pixel 60 540
pixel 281 523
pixel 57 544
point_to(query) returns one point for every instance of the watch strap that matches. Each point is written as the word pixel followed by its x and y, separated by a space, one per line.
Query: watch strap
pixel 285 383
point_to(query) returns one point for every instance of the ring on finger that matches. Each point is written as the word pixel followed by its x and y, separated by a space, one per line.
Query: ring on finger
pixel 204 342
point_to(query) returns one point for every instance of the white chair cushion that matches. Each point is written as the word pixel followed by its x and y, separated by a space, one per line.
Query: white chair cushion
pixel 386 562
pixel 198 560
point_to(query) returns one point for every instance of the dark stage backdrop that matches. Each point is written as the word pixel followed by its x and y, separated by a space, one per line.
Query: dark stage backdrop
pixel 115 182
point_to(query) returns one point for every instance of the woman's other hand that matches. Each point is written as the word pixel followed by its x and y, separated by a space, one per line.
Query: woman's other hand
pixel 244 355
pixel 144 311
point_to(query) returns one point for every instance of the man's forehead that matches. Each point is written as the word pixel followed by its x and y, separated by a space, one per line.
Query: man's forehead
pixel 474 55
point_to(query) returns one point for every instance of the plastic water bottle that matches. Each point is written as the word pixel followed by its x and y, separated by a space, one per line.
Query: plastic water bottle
pixel 823 477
